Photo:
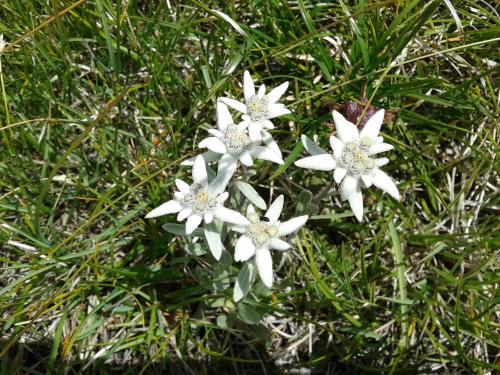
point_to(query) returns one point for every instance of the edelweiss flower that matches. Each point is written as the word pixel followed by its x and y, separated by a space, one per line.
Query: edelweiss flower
pixel 262 234
pixel 199 201
pixel 234 144
pixel 259 108
pixel 353 160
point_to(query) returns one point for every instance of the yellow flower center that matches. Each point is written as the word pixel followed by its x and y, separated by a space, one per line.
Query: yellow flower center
pixel 355 157
pixel 258 108
pixel 261 232
pixel 235 139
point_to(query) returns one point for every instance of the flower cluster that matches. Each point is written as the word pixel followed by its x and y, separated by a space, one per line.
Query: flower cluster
pixel 233 144
pixel 354 162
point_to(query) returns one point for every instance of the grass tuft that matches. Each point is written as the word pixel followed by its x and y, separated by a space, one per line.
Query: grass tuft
pixel 102 100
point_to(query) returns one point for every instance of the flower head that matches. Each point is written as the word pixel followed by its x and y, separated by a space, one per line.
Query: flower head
pixel 259 108
pixel 261 235
pixel 199 201
pixel 233 143
pixel 353 161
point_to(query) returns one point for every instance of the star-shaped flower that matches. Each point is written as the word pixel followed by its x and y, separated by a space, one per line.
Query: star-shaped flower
pixel 199 201
pixel 233 143
pixel 259 108
pixel 353 160
pixel 261 235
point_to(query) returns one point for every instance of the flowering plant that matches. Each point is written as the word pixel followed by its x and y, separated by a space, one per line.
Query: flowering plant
pixel 235 146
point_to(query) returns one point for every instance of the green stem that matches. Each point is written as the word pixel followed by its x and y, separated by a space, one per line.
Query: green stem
pixel 399 261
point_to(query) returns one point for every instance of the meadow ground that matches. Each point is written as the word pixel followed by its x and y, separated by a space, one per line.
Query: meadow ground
pixel 101 100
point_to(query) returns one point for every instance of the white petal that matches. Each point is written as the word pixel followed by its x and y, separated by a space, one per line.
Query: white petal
pixel 267 124
pixel 234 104
pixel 265 153
pixel 291 225
pixel 216 133
pixel 230 216
pixel 219 184
pixel 356 203
pixel 244 249
pixel 338 174
pixel 269 142
pixel 179 196
pixel 239 229
pixel 274 211
pixel 199 171
pixel 262 91
pixel 208 217
pixel 381 162
pixel 184 213
pixel 367 180
pixel 346 130
pixel 372 126
pixel 384 182
pixel 250 209
pixel 214 240
pixel 222 198
pixel 182 186
pixel 224 118
pixel 254 131
pixel 276 93
pixel 166 208
pixel 311 147
pixel 348 186
pixel 208 156
pixel 337 146
pixel 277 111
pixel 264 263
pixel 323 162
pixel 213 144
pixel 192 223
pixel 246 159
pixel 227 165
pixel 248 86
pixel 243 125
pixel 225 171
pixel 278 244
pixel 380 147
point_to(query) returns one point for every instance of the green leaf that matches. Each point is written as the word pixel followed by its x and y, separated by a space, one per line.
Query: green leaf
pixel 244 281
pixel 180 230
pixel 251 194
pixel 289 160
pixel 213 240
pixel 311 147
pixel 248 314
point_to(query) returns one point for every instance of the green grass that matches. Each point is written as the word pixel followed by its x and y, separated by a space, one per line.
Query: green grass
pixel 101 102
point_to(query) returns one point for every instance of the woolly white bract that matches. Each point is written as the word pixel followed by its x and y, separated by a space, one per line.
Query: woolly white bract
pixel 259 108
pixel 260 235
pixel 353 163
pixel 233 144
pixel 199 201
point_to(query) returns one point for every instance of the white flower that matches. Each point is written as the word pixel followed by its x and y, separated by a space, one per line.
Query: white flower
pixel 353 160
pixel 262 234
pixel 200 201
pixel 234 144
pixel 259 108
